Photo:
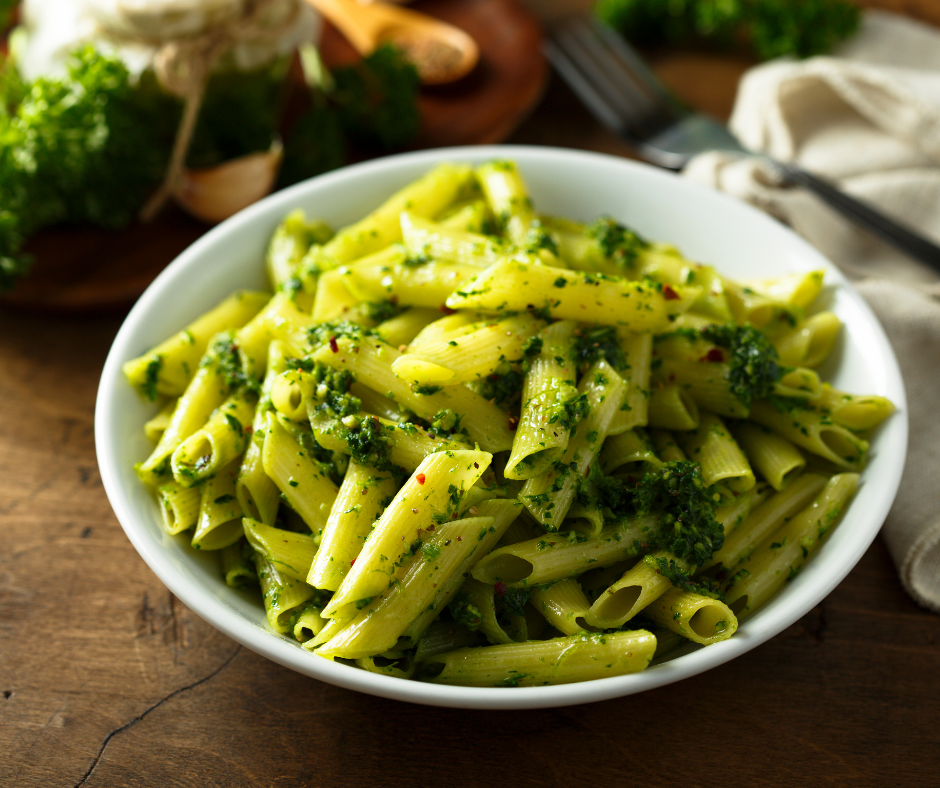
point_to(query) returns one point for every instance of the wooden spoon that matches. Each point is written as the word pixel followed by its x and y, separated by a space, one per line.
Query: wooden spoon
pixel 441 52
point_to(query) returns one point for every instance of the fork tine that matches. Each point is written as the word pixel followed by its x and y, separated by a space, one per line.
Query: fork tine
pixel 603 74
pixel 558 50
pixel 622 109
pixel 617 69
pixel 633 64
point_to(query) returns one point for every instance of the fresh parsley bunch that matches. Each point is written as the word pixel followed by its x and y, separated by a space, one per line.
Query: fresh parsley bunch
pixel 771 27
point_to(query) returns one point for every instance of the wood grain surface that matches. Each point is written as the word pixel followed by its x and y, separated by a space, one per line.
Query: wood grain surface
pixel 106 680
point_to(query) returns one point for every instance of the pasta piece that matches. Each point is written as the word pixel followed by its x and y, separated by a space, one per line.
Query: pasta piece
pixel 169 367
pixel 433 241
pixel 854 411
pixel 155 427
pixel 637 350
pixel 564 606
pixel 378 443
pixel 223 438
pixel 393 663
pixel 429 498
pixel 523 284
pixel 664 264
pixel 333 300
pixel 631 453
pixel 444 636
pixel 290 242
pixel 476 606
pixel 370 360
pixel 220 515
pixel 549 496
pixel 781 556
pixel 665 446
pixel 765 519
pixel 504 512
pixel 672 408
pixel 253 340
pixel 379 624
pixel 179 506
pixel 509 201
pixel 238 565
pixel 552 557
pixel 772 456
pixel 472 356
pixel 811 342
pixel 205 392
pixel 308 623
pixel 713 447
pixel 798 289
pixel 814 432
pixel 304 485
pixel 698 618
pixel 425 285
pixel 283 595
pixel 379 405
pixel 472 216
pixel 428 196
pixel 580 657
pixel 548 410
pixel 257 495
pixel 290 553
pixel 362 496
pixel 749 306
pixel 405 327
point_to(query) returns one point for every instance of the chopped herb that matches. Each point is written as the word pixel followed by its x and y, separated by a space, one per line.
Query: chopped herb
pixel 753 360
pixel 426 389
pixel 152 374
pixel 617 243
pixel 593 344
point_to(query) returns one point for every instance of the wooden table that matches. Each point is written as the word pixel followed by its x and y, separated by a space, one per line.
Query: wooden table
pixel 107 680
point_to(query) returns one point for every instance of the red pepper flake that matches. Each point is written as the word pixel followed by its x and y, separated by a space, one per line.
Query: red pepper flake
pixel 429 528
pixel 513 423
pixel 333 346
pixel 492 377
pixel 352 562
pixel 446 309
pixel 459 538
pixel 669 294
pixel 714 355
pixel 500 588
pixel 414 511
pixel 476 465
pixel 420 477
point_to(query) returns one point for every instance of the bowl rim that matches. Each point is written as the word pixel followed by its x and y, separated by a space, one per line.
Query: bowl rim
pixel 287 652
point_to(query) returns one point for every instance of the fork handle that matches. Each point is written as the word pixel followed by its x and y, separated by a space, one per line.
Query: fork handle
pixel 869 218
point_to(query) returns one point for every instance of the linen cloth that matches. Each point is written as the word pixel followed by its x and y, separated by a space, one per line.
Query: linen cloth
pixel 867 118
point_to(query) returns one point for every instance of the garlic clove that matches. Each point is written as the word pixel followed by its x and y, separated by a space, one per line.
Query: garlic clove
pixel 212 194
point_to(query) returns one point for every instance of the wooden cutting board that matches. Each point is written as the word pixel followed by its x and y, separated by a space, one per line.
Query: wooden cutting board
pixel 84 269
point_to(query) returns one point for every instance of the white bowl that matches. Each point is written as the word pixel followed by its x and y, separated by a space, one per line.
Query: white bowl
pixel 705 225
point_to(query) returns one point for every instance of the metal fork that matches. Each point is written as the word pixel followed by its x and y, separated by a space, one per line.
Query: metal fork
pixel 623 94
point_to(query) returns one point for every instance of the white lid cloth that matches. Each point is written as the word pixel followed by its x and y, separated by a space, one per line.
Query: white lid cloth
pixel 867 118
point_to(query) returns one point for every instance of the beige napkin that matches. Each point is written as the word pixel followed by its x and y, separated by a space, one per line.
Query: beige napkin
pixel 868 118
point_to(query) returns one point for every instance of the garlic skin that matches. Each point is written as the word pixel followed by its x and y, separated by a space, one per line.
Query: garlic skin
pixel 134 30
pixel 212 194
